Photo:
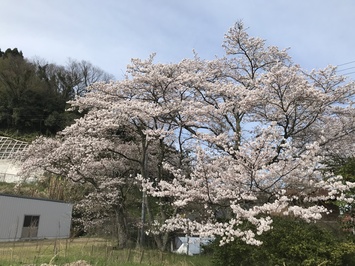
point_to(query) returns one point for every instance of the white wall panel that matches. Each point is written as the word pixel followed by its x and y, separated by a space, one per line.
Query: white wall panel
pixel 54 222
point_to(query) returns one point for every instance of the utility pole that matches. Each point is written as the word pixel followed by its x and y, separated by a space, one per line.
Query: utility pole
pixel 144 194
pixel 144 197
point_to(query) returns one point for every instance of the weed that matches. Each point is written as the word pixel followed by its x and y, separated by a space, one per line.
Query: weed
pixel 95 251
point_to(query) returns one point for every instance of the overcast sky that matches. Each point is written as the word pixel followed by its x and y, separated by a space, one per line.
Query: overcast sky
pixel 108 33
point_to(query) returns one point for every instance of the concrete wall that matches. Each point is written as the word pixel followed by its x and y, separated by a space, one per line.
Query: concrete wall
pixel 54 221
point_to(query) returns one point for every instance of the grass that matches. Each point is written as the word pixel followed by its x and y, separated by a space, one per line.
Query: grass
pixel 95 251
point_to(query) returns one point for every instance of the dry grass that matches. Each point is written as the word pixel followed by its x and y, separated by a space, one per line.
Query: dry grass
pixel 95 251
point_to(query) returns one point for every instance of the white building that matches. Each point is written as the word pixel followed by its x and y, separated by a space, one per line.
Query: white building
pixel 33 218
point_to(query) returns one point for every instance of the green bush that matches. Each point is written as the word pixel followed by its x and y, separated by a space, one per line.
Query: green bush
pixel 290 242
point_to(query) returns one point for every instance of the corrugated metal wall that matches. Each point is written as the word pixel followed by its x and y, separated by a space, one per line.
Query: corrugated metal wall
pixel 54 222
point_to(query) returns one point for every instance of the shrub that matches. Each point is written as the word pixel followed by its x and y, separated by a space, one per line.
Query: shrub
pixel 290 242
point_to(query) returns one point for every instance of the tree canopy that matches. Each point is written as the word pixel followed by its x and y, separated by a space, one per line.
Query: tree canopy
pixel 222 144
pixel 33 94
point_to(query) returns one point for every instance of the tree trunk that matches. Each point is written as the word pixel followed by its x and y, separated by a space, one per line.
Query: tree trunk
pixel 121 227
pixel 162 239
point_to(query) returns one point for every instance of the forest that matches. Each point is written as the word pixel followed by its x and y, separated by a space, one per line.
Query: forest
pixel 34 94
pixel 247 148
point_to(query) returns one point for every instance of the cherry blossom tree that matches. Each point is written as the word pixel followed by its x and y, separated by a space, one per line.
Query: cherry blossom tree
pixel 223 145
pixel 119 137
pixel 262 128
pixel 88 159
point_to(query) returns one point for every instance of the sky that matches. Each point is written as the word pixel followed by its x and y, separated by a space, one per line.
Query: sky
pixel 108 33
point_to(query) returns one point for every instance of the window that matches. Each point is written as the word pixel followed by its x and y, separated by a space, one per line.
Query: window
pixel 31 221
pixel 30 226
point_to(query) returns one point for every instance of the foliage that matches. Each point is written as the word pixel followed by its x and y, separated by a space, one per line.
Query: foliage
pixel 346 168
pixel 6 188
pixel 291 242
pixel 220 144
pixel 33 95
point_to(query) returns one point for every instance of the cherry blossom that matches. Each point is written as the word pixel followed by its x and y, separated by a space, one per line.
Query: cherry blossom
pixel 223 144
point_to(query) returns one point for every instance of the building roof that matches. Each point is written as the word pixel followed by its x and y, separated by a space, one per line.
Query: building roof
pixel 27 197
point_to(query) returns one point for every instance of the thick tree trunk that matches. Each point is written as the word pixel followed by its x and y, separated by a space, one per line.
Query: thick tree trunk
pixel 162 239
pixel 121 227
